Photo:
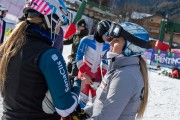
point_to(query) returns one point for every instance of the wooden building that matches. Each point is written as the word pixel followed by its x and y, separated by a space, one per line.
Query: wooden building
pixel 152 23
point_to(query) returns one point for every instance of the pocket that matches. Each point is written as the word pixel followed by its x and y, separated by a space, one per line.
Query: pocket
pixel 102 92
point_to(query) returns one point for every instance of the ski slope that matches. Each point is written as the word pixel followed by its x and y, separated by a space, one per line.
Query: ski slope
pixel 164 103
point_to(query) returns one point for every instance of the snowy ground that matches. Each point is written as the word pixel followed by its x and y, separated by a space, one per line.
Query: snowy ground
pixel 164 103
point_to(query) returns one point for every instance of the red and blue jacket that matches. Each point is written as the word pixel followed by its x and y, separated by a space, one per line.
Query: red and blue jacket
pixel 89 55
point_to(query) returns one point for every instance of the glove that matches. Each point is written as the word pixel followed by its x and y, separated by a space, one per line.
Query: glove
pixel 47 104
pixel 79 115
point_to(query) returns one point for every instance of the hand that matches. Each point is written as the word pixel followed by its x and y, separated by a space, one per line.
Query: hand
pixel 86 78
pixel 69 75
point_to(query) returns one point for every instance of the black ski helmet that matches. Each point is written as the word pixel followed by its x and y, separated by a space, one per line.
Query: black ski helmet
pixel 103 27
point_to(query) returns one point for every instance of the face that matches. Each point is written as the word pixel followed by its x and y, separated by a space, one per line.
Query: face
pixel 116 45
pixel 79 28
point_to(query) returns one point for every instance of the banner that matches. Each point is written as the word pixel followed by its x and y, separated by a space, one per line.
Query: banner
pixel 8 29
pixel 164 59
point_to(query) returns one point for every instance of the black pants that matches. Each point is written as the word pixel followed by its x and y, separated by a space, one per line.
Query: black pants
pixel 72 68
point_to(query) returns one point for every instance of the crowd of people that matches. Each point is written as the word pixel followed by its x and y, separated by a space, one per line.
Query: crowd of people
pixel 105 78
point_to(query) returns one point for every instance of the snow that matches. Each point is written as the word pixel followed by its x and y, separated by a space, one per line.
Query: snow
pixel 137 15
pixel 164 103
pixel 10 18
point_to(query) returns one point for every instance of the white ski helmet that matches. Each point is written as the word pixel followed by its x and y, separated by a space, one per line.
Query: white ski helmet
pixel 3 11
pixel 54 12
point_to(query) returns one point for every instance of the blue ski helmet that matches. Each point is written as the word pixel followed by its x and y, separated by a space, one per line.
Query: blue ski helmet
pixel 138 31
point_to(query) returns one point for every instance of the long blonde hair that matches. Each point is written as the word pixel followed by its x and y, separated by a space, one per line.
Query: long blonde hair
pixel 144 72
pixel 12 45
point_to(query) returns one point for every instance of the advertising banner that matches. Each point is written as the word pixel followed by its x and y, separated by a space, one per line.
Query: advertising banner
pixel 163 58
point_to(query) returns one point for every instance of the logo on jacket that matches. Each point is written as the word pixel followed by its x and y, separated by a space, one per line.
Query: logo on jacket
pixel 54 57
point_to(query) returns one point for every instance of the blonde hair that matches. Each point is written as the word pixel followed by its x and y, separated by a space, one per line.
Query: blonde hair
pixel 144 72
pixel 12 45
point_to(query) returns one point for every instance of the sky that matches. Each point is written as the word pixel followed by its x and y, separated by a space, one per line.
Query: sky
pixel 163 104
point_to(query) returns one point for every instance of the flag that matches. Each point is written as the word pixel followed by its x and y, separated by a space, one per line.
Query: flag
pixel 72 27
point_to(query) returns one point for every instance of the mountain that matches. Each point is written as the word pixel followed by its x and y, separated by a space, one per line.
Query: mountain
pixel 170 8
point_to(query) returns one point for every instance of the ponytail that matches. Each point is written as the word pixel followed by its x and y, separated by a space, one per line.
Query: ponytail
pixel 144 71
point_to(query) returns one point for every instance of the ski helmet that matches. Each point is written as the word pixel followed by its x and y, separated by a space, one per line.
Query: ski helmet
pixel 136 39
pixel 139 32
pixel 3 11
pixel 53 12
pixel 103 27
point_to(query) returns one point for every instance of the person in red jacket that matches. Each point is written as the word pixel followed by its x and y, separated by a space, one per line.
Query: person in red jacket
pixel 175 73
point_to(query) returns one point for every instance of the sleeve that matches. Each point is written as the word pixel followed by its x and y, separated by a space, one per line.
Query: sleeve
pixel 115 100
pixel 68 41
pixel 53 67
pixel 80 53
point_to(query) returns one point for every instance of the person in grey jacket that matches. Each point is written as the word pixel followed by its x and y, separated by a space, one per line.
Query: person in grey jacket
pixel 123 92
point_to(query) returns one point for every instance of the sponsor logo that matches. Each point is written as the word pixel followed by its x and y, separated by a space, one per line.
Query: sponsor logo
pixel 54 57
pixel 62 71
pixel 163 59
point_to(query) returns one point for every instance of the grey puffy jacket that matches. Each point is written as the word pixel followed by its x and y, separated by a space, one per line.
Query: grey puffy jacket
pixel 118 97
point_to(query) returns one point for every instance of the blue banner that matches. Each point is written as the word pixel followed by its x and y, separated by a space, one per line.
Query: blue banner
pixel 162 58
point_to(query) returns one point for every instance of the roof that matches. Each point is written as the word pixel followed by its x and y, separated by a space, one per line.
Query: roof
pixel 137 15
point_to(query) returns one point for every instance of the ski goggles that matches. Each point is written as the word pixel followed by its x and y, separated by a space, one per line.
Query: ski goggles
pixel 114 31
pixel 107 34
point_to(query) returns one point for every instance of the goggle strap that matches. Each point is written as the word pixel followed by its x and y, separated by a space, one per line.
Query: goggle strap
pixel 133 39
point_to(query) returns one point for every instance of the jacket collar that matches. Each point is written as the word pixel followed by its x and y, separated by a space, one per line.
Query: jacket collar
pixel 122 61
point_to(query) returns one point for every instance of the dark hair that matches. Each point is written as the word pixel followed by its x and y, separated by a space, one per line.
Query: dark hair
pixel 81 23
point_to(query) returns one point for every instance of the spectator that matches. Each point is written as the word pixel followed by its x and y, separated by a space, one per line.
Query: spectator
pixel 81 31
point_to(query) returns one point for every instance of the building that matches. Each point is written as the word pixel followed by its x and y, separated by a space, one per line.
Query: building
pixel 152 23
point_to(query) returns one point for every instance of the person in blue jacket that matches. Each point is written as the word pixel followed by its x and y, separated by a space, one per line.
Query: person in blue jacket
pixel 30 66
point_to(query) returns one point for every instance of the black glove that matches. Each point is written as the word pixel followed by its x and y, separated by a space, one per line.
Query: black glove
pixel 79 114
